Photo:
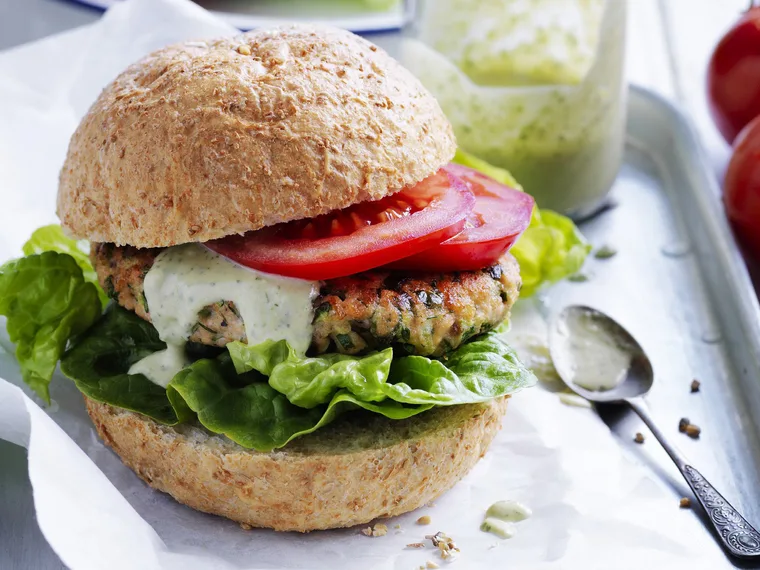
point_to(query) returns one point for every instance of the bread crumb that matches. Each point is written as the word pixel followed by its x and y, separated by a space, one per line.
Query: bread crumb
pixel 693 431
pixel 431 564
pixel 639 438
pixel 244 50
pixel 695 385
pixel 379 530
pixel 415 545
pixel 685 503
pixel 367 531
pixel 245 526
pixel 424 519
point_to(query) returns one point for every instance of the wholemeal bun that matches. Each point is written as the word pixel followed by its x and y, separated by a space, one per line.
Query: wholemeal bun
pixel 206 139
pixel 348 473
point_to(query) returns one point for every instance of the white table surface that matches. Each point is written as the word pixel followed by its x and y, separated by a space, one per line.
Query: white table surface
pixel 669 43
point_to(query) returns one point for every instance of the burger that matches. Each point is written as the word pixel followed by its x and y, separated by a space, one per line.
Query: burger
pixel 290 308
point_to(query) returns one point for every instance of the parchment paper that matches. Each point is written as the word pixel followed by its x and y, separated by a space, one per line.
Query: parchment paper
pixel 594 507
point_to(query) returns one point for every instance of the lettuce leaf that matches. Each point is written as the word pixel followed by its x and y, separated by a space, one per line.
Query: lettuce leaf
pixel 256 415
pixel 244 407
pixel 51 238
pixel 232 395
pixel 308 382
pixel 551 248
pixel 478 371
pixel 100 360
pixel 261 357
pixel 47 302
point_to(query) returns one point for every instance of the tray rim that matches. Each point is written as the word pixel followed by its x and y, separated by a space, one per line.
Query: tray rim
pixel 709 204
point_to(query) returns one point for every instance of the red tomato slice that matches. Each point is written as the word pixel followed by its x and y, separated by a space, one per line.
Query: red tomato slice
pixel 361 237
pixel 501 214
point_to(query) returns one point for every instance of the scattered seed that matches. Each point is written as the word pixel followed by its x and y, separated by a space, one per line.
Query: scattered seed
pixel 416 545
pixel 693 431
pixel 424 519
pixel 245 526
pixel 605 252
pixel 685 503
pixel 639 438
pixel 446 547
pixel 682 424
pixel 695 385
pixel 244 50
pixel 431 564
pixel 396 526
pixel 578 277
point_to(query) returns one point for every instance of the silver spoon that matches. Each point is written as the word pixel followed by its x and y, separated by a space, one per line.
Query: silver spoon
pixel 585 343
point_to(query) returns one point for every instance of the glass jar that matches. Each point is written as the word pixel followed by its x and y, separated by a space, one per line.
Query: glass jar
pixel 533 86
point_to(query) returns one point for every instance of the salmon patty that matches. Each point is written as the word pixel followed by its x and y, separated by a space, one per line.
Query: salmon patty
pixel 427 314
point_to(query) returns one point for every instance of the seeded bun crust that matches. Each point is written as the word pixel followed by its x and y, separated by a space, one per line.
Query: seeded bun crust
pixel 206 139
pixel 345 474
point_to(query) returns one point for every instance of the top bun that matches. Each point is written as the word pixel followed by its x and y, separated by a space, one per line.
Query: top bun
pixel 205 139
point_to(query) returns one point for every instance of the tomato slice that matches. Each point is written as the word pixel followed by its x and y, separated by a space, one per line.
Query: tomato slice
pixel 501 214
pixel 361 237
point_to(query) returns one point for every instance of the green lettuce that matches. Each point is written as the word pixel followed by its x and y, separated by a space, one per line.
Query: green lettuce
pixel 47 302
pixel 244 407
pixel 262 357
pixel 264 396
pixel 99 362
pixel 256 415
pixel 51 238
pixel 551 248
pixel 478 371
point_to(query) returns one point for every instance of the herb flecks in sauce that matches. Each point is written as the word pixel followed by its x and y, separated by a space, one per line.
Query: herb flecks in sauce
pixel 187 278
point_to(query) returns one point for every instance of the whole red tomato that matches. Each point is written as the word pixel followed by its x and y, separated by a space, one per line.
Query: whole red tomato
pixel 741 192
pixel 733 76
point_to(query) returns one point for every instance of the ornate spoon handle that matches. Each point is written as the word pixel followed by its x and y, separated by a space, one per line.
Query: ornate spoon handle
pixel 736 534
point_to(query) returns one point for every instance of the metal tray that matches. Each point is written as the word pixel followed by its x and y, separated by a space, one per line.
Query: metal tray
pixel 680 286
pixel 677 283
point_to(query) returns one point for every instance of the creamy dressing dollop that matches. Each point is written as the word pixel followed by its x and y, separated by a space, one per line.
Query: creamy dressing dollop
pixel 501 516
pixel 186 278
pixel 592 357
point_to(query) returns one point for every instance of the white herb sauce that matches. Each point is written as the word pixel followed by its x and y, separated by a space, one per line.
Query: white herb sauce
pixel 160 367
pixel 593 358
pixel 186 278
pixel 501 516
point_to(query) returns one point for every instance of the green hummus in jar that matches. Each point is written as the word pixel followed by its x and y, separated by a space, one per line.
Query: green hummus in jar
pixel 533 86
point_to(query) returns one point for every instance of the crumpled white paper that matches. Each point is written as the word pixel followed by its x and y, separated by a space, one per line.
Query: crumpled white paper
pixel 593 507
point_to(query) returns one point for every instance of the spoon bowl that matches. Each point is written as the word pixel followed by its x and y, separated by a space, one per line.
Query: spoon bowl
pixel 583 331
pixel 599 360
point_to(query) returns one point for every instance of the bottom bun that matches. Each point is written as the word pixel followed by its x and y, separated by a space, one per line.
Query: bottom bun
pixel 357 469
